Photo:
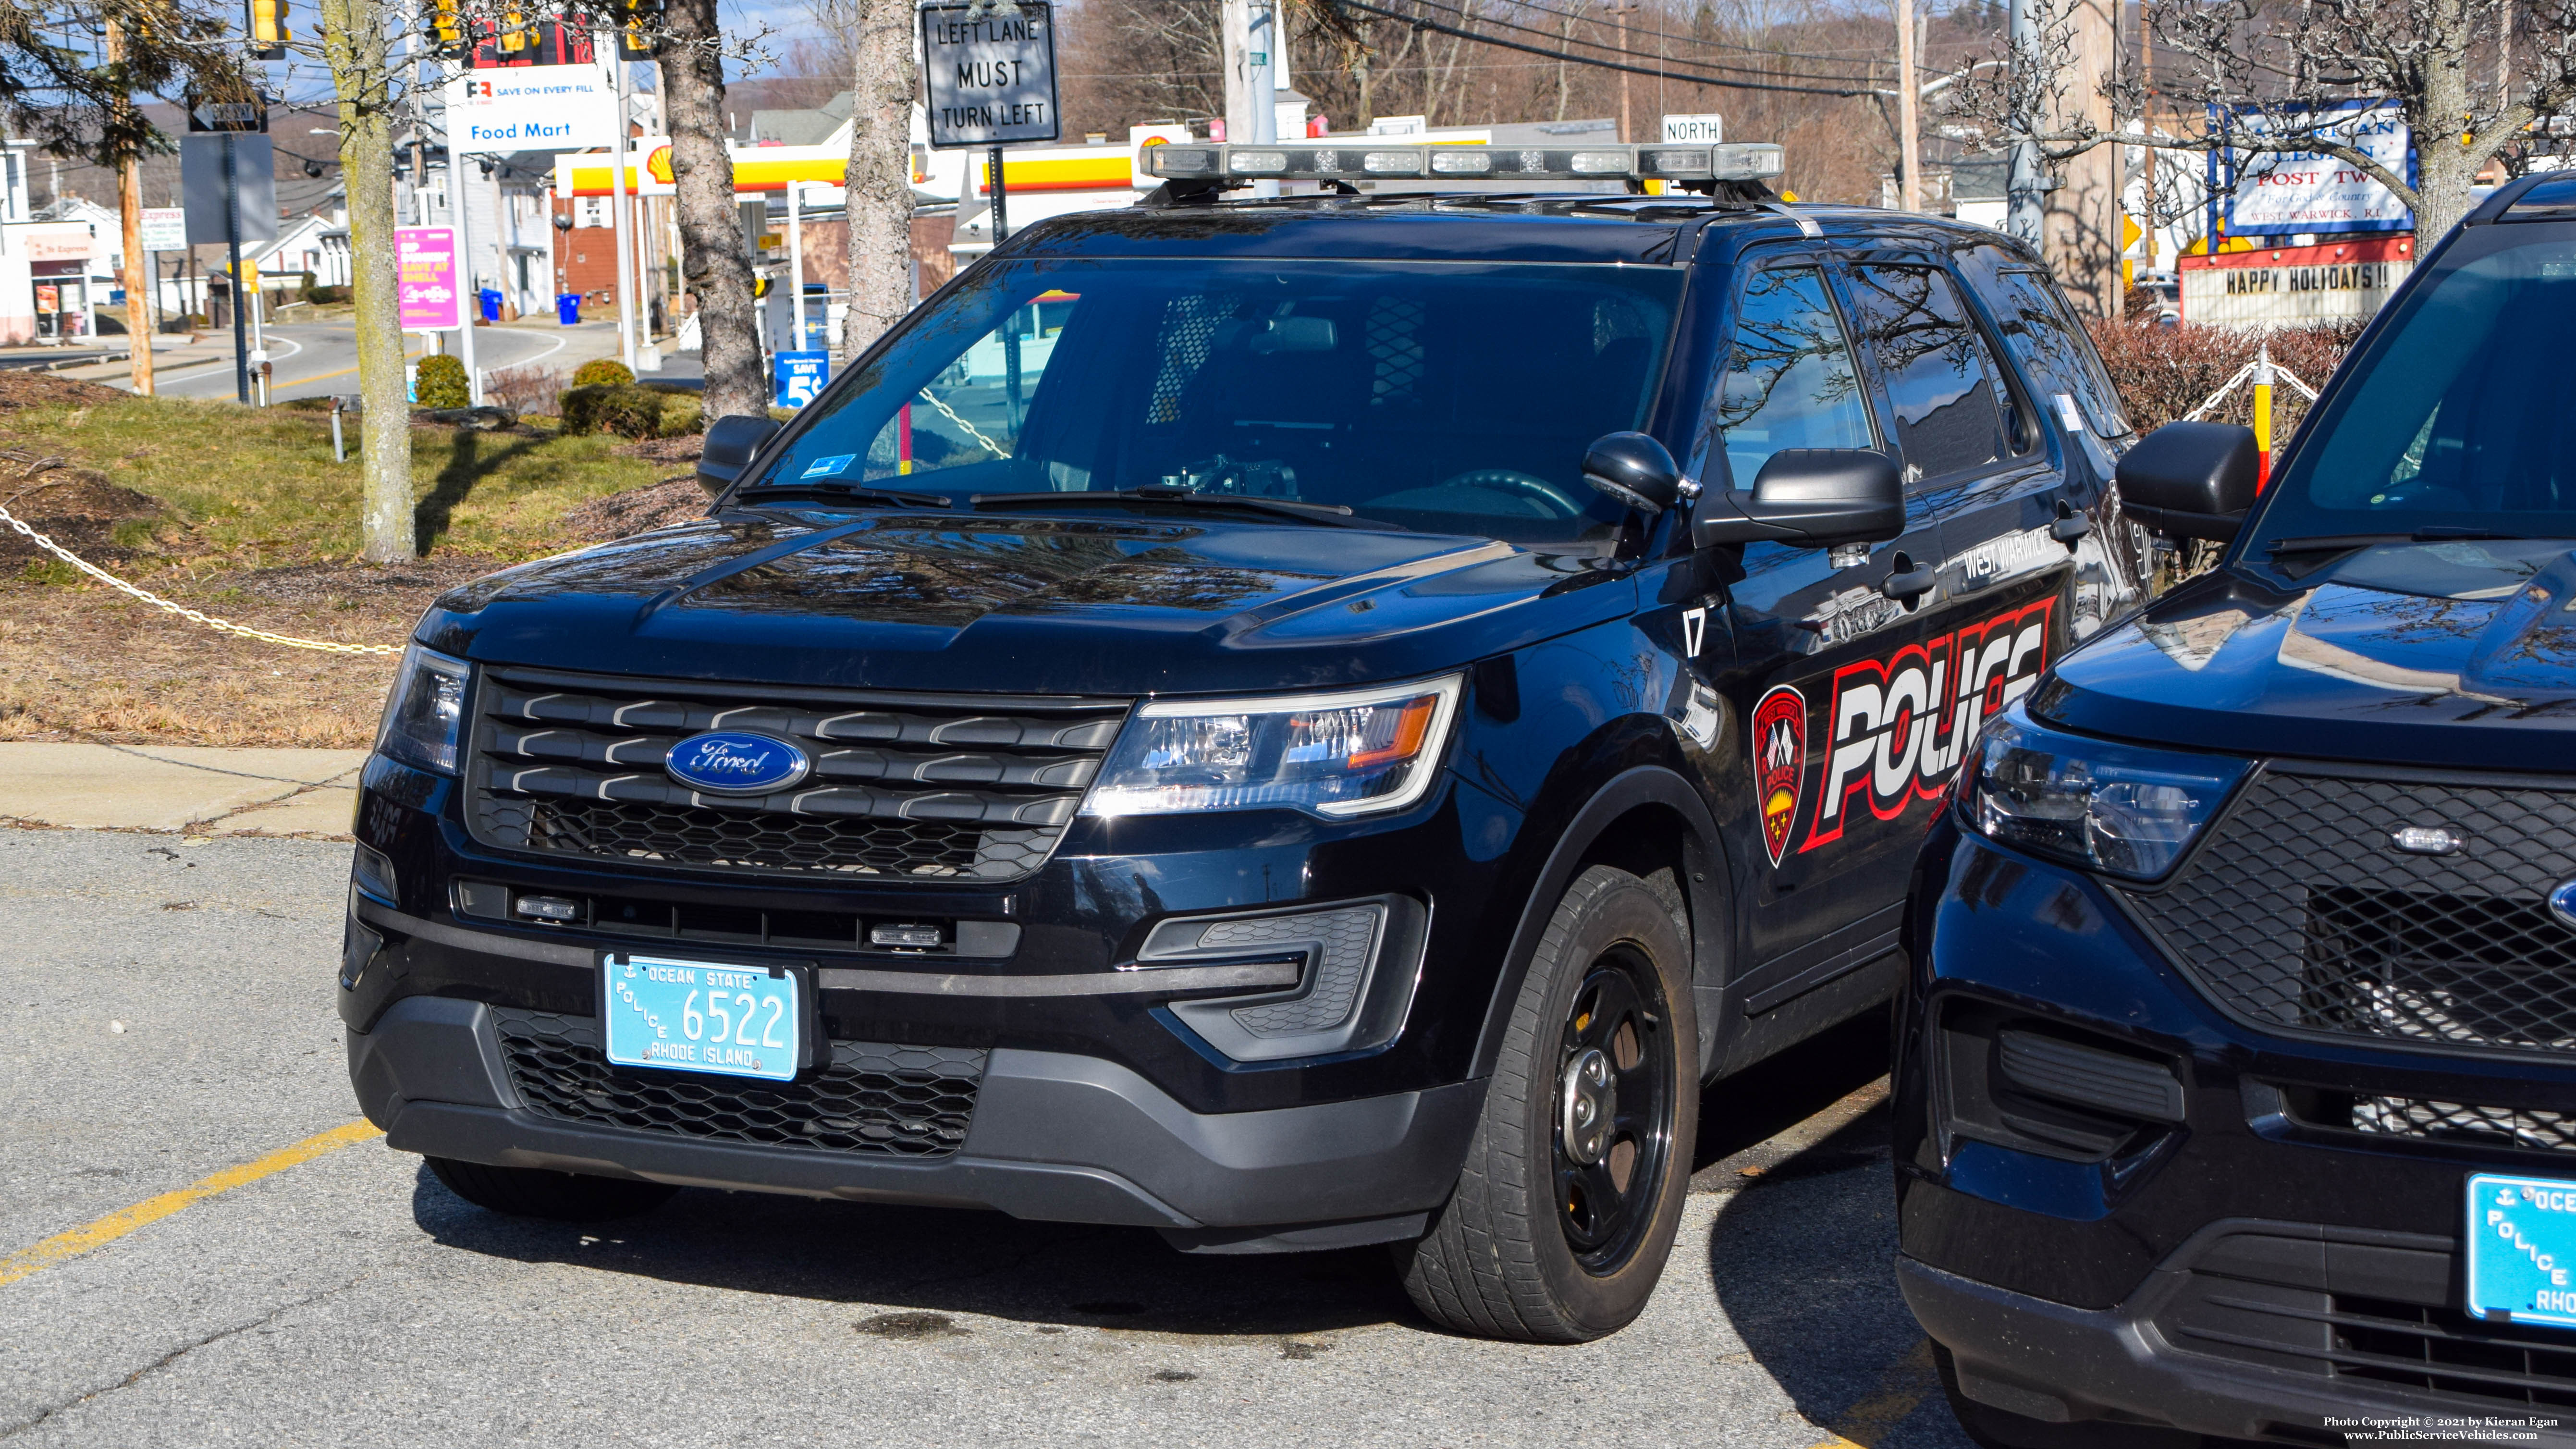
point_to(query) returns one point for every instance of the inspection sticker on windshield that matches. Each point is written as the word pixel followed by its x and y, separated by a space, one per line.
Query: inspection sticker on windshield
pixel 2522 1249
pixel 831 467
pixel 701 1016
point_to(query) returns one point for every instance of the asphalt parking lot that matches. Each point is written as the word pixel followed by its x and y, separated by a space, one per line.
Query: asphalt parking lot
pixel 171 1024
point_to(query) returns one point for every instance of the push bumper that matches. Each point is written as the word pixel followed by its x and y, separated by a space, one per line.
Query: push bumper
pixel 2019 1353
pixel 1055 1136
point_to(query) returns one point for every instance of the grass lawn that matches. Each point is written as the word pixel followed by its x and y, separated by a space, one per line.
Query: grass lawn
pixel 241 513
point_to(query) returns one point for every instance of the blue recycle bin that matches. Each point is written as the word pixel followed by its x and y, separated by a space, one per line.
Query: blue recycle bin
pixel 568 308
pixel 491 304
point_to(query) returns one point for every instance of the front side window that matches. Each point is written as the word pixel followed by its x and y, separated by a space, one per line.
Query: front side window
pixel 1443 398
pixel 1789 380
pixel 2463 414
pixel 2038 330
pixel 1947 393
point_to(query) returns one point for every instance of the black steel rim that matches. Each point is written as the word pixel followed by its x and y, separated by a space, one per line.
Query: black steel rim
pixel 1610 1165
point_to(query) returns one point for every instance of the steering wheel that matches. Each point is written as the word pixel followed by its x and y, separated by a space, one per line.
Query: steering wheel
pixel 1516 484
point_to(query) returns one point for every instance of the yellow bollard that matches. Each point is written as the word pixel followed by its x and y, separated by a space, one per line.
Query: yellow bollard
pixel 2263 418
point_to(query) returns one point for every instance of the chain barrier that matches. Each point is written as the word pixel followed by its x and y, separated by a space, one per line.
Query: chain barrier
pixel 972 431
pixel 182 610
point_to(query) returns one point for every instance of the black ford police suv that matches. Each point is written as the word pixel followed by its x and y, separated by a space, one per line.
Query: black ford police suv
pixel 2237 1095
pixel 1232 719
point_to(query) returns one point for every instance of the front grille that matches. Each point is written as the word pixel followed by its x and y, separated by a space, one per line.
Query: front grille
pixel 2522 1129
pixel 875 1098
pixel 2446 1352
pixel 903 786
pixel 2301 914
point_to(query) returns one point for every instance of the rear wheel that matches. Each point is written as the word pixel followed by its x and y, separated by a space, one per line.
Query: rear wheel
pixel 534 1192
pixel 1572 1189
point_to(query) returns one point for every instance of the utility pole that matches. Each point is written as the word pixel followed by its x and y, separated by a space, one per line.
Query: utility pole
pixel 2147 124
pixel 1627 114
pixel 1250 36
pixel 2026 191
pixel 142 274
pixel 1909 159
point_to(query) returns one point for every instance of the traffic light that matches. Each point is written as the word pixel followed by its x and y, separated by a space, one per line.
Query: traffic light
pixel 513 37
pixel 445 27
pixel 635 27
pixel 267 29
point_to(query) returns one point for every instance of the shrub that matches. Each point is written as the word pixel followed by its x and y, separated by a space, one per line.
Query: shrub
pixel 527 391
pixel 2165 372
pixel 326 294
pixel 442 383
pixel 683 415
pixel 629 412
pixel 603 372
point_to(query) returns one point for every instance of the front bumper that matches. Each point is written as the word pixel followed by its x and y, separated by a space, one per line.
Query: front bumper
pixel 1055 1136
pixel 2242 1255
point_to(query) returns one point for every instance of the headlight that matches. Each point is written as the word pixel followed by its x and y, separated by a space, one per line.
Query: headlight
pixel 425 714
pixel 1354 753
pixel 2120 809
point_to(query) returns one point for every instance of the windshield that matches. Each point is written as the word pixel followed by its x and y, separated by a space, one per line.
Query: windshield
pixel 1443 398
pixel 2463 414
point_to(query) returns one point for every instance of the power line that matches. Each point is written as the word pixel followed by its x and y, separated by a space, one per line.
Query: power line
pixel 1464 15
pixel 1696 39
pixel 1421 23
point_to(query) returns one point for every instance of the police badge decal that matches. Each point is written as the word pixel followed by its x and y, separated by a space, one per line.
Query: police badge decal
pixel 1779 739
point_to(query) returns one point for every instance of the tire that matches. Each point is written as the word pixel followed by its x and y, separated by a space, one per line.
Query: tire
pixel 1508 1256
pixel 534 1192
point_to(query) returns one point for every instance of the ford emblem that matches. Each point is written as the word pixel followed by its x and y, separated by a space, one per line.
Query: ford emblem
pixel 2562 904
pixel 736 762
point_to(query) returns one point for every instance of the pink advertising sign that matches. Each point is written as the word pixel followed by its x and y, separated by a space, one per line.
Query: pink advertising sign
pixel 425 289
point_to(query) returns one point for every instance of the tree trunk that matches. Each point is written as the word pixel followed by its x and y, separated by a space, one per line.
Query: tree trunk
pixel 2445 169
pixel 880 174
pixel 715 265
pixel 354 41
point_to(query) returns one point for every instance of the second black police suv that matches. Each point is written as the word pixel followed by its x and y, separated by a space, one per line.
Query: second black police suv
pixel 2239 1087
pixel 1232 719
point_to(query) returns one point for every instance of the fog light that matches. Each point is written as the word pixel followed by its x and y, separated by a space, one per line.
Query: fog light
pixel 374 875
pixel 905 938
pixel 549 908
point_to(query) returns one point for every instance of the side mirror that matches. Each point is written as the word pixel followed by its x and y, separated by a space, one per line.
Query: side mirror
pixel 731 443
pixel 2190 480
pixel 1634 471
pixel 1818 497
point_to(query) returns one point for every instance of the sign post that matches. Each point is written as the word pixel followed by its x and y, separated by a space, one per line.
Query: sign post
pixel 991 79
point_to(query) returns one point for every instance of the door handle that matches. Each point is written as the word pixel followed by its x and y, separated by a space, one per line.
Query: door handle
pixel 2069 525
pixel 1907 580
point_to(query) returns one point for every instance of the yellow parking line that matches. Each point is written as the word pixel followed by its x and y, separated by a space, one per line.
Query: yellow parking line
pixel 27 1262
pixel 1902 1387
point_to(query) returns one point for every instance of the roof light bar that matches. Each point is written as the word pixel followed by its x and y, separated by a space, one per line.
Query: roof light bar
pixel 1733 161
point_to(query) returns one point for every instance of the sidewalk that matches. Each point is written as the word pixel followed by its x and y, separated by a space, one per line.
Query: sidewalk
pixel 182 789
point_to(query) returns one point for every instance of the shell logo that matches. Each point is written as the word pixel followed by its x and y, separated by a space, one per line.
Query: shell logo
pixel 658 166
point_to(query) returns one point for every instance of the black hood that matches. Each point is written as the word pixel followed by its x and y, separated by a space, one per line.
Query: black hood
pixel 2454 654
pixel 951 602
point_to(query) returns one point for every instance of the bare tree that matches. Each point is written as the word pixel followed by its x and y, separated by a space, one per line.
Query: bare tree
pixel 356 41
pixel 715 262
pixel 879 178
pixel 2279 69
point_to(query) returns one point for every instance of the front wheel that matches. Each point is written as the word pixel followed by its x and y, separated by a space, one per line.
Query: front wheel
pixel 1572 1189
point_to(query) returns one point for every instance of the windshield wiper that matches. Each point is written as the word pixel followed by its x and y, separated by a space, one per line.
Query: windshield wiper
pixel 854 492
pixel 1332 513
pixel 2343 542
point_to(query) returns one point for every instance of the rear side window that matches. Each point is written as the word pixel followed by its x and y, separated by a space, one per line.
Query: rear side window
pixel 2053 350
pixel 1947 393
pixel 1789 377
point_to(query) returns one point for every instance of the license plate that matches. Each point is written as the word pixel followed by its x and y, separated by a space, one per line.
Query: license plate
pixel 702 1016
pixel 2522 1248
